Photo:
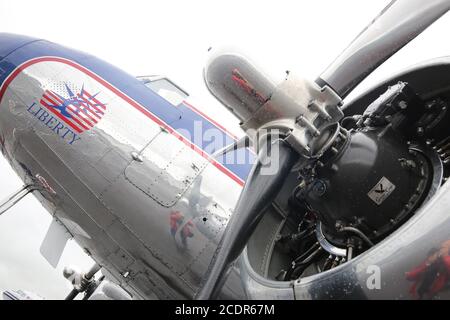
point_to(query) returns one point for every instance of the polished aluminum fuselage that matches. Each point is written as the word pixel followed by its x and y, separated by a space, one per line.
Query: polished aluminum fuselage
pixel 134 188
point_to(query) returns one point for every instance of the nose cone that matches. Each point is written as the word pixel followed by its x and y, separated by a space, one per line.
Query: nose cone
pixel 10 42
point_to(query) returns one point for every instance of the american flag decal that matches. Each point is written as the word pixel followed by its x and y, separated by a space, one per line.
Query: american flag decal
pixel 79 111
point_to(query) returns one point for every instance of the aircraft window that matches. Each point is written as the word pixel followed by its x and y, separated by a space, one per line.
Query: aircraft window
pixel 168 90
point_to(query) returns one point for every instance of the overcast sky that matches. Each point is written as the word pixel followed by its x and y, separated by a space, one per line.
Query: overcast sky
pixel 171 38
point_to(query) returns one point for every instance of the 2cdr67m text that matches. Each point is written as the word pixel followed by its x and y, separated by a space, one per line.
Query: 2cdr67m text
pixel 246 309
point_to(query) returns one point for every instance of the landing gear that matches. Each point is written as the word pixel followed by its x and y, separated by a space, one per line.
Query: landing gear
pixel 100 289
pixel 81 282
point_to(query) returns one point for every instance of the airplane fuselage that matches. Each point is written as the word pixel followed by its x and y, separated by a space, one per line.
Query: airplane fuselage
pixel 119 166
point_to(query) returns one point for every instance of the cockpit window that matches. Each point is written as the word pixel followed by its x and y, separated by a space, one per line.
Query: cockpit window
pixel 165 88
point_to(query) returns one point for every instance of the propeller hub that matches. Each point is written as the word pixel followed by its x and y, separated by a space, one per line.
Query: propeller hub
pixel 299 109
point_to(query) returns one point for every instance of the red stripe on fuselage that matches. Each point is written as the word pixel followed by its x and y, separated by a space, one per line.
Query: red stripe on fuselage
pixel 124 97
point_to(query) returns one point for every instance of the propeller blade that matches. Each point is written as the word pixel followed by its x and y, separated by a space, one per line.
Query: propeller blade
pixel 72 294
pixel 399 23
pixel 259 191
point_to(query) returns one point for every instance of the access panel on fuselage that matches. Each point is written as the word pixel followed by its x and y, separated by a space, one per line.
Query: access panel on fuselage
pixel 166 169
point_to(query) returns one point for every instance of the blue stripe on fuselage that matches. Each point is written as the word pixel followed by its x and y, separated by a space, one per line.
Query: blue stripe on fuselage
pixel 213 139
pixel 181 118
